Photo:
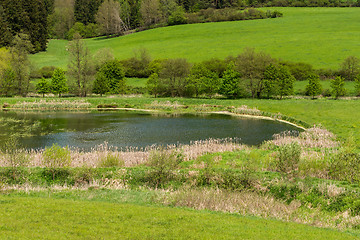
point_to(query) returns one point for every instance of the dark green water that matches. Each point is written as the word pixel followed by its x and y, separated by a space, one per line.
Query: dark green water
pixel 124 129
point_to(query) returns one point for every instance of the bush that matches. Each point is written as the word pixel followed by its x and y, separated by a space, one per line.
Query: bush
pixel 288 158
pixel 54 158
pixel 111 161
pixel 162 164
pixel 345 165
pixel 15 156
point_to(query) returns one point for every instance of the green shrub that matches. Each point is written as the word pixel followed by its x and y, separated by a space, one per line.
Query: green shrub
pixel 15 156
pixel 55 158
pixel 288 158
pixel 111 161
pixel 162 164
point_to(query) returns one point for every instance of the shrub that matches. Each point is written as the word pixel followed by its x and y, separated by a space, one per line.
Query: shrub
pixel 111 161
pixel 162 164
pixel 15 155
pixel 288 158
pixel 54 158
pixel 345 165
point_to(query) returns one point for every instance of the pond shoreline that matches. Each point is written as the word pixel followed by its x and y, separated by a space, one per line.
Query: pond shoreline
pixel 157 111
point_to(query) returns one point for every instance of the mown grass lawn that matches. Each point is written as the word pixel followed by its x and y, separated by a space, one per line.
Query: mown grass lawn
pixel 323 37
pixel 47 218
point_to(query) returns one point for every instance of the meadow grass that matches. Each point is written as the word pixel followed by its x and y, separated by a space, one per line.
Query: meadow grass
pixel 323 37
pixel 48 218
pixel 300 87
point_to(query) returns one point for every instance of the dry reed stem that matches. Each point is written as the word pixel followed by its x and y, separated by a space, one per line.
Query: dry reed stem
pixel 133 156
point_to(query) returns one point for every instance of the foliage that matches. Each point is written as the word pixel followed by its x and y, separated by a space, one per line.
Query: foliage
pixel 111 160
pixel 173 75
pixel 337 86
pixel 58 82
pixel 314 87
pixel 346 163
pixel 7 82
pixel 357 86
pixel 177 17
pixel 56 157
pixel 108 18
pixel 350 68
pixel 42 86
pixel 110 78
pixel 202 81
pixel 25 17
pixel 162 164
pixel 20 63
pixel 288 158
pixel 231 83
pixel 154 85
pixel 14 152
pixel 251 65
pixel 80 67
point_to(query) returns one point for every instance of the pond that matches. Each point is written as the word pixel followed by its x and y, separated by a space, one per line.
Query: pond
pixel 128 129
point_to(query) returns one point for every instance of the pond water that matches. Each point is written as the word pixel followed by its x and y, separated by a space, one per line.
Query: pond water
pixel 128 129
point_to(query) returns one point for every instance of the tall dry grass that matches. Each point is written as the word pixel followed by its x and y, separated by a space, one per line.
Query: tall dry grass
pixel 132 156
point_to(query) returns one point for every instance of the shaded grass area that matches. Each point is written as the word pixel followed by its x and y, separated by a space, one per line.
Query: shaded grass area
pixel 50 218
pixel 302 35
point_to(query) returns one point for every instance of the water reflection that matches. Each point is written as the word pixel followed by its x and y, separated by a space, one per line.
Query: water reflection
pixel 124 129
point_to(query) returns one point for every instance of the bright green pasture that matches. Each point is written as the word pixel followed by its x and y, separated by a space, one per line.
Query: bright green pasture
pixel 322 37
pixel 46 218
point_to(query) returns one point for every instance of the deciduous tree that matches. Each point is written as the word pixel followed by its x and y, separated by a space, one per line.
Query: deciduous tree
pixel 337 86
pixel 42 86
pixel 108 18
pixel 314 87
pixel 80 67
pixel 59 82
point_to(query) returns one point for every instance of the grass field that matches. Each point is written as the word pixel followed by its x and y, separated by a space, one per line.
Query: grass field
pixel 322 37
pixel 48 218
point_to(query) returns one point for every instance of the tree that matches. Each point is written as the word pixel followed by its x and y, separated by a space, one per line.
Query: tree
pixel 80 67
pixel 5 31
pixel 350 68
pixel 201 80
pixel 20 63
pixel 102 56
pixel 173 76
pixel 337 86
pixel 62 19
pixel 110 78
pixel 231 83
pixel 285 82
pixel 27 16
pixel 154 85
pixel 85 10
pixel 58 82
pixel 108 18
pixel 150 12
pixel 42 86
pixel 314 86
pixel 357 85
pixel 269 80
pixel 7 80
pixel 251 65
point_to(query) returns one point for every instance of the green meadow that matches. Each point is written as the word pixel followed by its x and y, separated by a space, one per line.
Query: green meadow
pixel 323 37
pixel 49 218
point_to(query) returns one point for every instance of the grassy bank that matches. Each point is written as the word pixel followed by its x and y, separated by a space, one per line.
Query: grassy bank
pixel 63 219
pixel 313 30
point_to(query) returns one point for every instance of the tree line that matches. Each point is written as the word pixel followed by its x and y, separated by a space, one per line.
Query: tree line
pixel 249 74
